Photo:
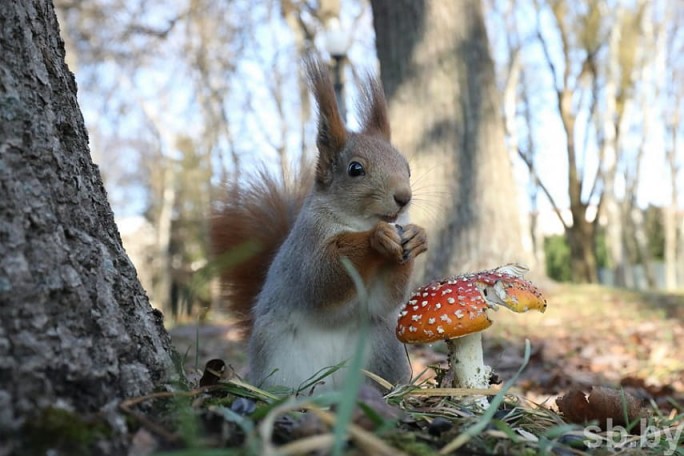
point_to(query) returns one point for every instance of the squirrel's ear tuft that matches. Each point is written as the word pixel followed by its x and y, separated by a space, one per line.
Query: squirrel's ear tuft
pixel 332 134
pixel 373 109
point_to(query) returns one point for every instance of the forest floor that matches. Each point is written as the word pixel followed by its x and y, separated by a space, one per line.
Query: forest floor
pixel 617 342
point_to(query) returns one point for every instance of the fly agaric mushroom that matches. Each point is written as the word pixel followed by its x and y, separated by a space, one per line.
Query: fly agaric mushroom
pixel 455 310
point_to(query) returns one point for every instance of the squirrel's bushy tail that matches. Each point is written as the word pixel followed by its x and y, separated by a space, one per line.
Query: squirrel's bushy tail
pixel 246 232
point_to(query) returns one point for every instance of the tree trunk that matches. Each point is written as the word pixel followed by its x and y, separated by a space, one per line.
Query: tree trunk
pixel 581 237
pixel 161 296
pixel 639 238
pixel 680 251
pixel 581 234
pixel 535 185
pixel 510 104
pixel 444 112
pixel 670 224
pixel 610 146
pixel 674 249
pixel 76 330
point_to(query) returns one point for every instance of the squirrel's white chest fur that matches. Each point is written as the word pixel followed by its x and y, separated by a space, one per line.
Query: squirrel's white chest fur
pixel 303 348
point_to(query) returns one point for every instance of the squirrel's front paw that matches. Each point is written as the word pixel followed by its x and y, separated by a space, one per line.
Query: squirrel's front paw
pixel 413 242
pixel 386 239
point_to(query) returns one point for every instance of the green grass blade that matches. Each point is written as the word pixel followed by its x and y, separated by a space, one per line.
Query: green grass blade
pixel 318 376
pixel 354 376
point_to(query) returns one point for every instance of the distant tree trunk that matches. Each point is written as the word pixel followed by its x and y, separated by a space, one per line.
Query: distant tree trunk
pixel 641 45
pixel 609 143
pixel 161 296
pixel 671 247
pixel 510 103
pixel 443 103
pixel 76 330
pixel 639 245
pixel 680 251
pixel 673 222
pixel 636 239
pixel 535 184
pixel 581 236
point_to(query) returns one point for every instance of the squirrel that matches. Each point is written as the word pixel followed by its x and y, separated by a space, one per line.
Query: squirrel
pixel 301 305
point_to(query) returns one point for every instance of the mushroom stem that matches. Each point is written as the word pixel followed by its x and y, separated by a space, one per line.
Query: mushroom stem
pixel 466 364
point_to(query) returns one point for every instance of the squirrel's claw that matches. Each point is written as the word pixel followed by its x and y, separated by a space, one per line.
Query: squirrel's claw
pixel 413 242
pixel 386 240
pixel 400 243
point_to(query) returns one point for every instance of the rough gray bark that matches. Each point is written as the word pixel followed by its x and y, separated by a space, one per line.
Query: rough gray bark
pixel 440 82
pixel 76 329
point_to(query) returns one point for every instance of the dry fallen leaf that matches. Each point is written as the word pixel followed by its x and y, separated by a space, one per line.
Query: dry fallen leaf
pixel 214 371
pixel 601 405
pixel 574 406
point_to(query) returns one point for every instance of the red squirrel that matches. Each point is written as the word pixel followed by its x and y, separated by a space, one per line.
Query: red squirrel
pixel 301 303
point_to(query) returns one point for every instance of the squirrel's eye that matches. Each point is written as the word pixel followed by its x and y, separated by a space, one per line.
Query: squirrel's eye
pixel 355 169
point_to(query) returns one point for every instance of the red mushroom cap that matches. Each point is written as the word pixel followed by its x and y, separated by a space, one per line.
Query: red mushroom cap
pixel 458 306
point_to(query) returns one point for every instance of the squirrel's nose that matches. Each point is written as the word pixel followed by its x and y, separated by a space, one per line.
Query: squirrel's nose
pixel 402 198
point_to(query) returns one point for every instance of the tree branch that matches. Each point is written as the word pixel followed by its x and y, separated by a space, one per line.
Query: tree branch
pixel 547 55
pixel 541 185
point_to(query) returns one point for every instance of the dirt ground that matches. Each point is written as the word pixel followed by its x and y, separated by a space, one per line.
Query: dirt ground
pixel 589 336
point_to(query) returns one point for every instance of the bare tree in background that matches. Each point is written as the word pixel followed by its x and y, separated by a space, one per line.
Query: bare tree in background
pixel 602 61
pixel 444 112
pixel 672 40
pixel 627 60
pixel 641 35
pixel 610 125
pixel 77 333
pixel 579 31
pixel 631 86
